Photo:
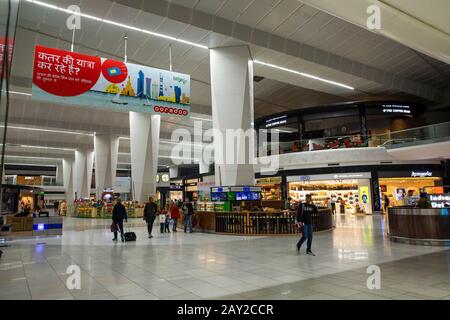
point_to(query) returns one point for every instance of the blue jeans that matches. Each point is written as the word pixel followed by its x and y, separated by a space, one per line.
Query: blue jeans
pixel 188 223
pixel 307 233
pixel 175 221
pixel 119 224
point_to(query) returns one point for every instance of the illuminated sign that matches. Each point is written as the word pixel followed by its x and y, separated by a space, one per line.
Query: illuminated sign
pixel 439 201
pixel 277 121
pixel 415 174
pixel 396 108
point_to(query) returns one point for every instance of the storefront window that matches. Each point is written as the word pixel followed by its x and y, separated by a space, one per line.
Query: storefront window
pixel 348 196
pixel 396 189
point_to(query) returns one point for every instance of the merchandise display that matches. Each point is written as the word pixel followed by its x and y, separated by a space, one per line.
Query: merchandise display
pixel 270 188
pixel 346 193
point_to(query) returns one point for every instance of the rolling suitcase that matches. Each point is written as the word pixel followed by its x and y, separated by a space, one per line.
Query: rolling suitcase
pixel 130 236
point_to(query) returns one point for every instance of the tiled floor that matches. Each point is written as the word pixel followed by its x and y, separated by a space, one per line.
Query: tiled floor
pixel 204 266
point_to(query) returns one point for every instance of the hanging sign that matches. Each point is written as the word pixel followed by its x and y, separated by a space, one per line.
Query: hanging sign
pixel 77 79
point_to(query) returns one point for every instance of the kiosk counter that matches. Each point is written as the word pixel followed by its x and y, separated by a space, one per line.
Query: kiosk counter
pixel 425 226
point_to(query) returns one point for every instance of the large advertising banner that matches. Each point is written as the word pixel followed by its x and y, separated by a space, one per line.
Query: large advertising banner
pixel 77 79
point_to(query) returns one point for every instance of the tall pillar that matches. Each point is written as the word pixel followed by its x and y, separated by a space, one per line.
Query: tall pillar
pixel 232 108
pixel 68 168
pixel 84 161
pixel 144 141
pixel 59 173
pixel 106 150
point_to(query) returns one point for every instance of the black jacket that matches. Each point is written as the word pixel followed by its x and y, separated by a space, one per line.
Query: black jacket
pixel 150 210
pixel 304 213
pixel 119 212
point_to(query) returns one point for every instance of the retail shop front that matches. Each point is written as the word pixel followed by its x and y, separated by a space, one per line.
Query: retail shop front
pixel 397 185
pixel 348 192
pixel 239 210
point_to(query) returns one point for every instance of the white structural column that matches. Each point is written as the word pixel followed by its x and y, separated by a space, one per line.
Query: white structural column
pixel 106 150
pixel 144 141
pixel 68 168
pixel 59 173
pixel 84 161
pixel 232 109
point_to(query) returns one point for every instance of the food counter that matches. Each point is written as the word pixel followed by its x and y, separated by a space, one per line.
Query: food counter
pixel 257 223
pixel 419 226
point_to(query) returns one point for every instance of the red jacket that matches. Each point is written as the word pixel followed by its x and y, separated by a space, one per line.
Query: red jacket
pixel 175 212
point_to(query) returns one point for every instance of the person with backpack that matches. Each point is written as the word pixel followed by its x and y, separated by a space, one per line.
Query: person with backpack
pixel 304 219
pixel 119 214
pixel 150 210
pixel 188 210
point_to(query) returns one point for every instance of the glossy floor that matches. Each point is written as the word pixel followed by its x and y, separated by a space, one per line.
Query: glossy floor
pixel 205 266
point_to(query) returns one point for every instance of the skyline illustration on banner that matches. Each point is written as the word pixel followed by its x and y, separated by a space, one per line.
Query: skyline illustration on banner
pixel 71 78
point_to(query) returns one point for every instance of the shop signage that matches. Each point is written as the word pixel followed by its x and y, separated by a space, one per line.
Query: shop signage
pixel 246 189
pixel 337 176
pixel 176 187
pixel 77 79
pixel 269 180
pixel 220 189
pixel 277 121
pixel 397 108
pixel 425 174
pixel 439 200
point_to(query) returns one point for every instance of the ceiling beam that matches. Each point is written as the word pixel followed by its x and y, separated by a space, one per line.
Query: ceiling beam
pixel 284 45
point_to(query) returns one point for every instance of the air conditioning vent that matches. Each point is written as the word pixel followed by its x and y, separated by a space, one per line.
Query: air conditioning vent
pixel 386 162
pixel 333 164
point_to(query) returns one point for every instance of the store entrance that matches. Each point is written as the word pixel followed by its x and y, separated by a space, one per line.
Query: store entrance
pixel 350 196
pixel 397 188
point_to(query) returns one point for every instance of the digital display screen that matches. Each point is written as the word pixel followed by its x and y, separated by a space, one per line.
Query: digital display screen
pixel 248 196
pixel 218 196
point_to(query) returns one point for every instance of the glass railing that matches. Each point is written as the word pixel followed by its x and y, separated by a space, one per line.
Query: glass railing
pixel 395 139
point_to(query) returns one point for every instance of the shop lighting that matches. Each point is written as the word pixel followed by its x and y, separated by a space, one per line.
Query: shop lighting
pixel 303 74
pixel 160 35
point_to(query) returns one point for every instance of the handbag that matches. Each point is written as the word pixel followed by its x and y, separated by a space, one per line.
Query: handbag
pixel 114 227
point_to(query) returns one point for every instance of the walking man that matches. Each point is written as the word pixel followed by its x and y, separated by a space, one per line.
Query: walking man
pixel 150 210
pixel 304 218
pixel 118 215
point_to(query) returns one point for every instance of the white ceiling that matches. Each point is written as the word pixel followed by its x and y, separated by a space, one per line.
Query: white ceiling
pixel 338 46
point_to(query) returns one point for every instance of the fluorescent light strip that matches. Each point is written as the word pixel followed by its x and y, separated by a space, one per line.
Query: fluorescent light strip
pixel 117 24
pixel 49 130
pixel 43 147
pixel 285 131
pixel 30 157
pixel 195 118
pixel 303 74
pixel 18 93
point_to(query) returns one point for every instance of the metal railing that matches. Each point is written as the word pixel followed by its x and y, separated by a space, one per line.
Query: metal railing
pixel 415 136
pixel 269 223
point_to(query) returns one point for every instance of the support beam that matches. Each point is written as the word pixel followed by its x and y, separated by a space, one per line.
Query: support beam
pixel 232 112
pixel 144 142
pixel 106 149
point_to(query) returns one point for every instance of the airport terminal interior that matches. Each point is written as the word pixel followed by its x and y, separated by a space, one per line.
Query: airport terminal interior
pixel 180 149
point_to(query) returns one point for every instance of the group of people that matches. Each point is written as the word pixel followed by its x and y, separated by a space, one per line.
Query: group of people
pixel 170 213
